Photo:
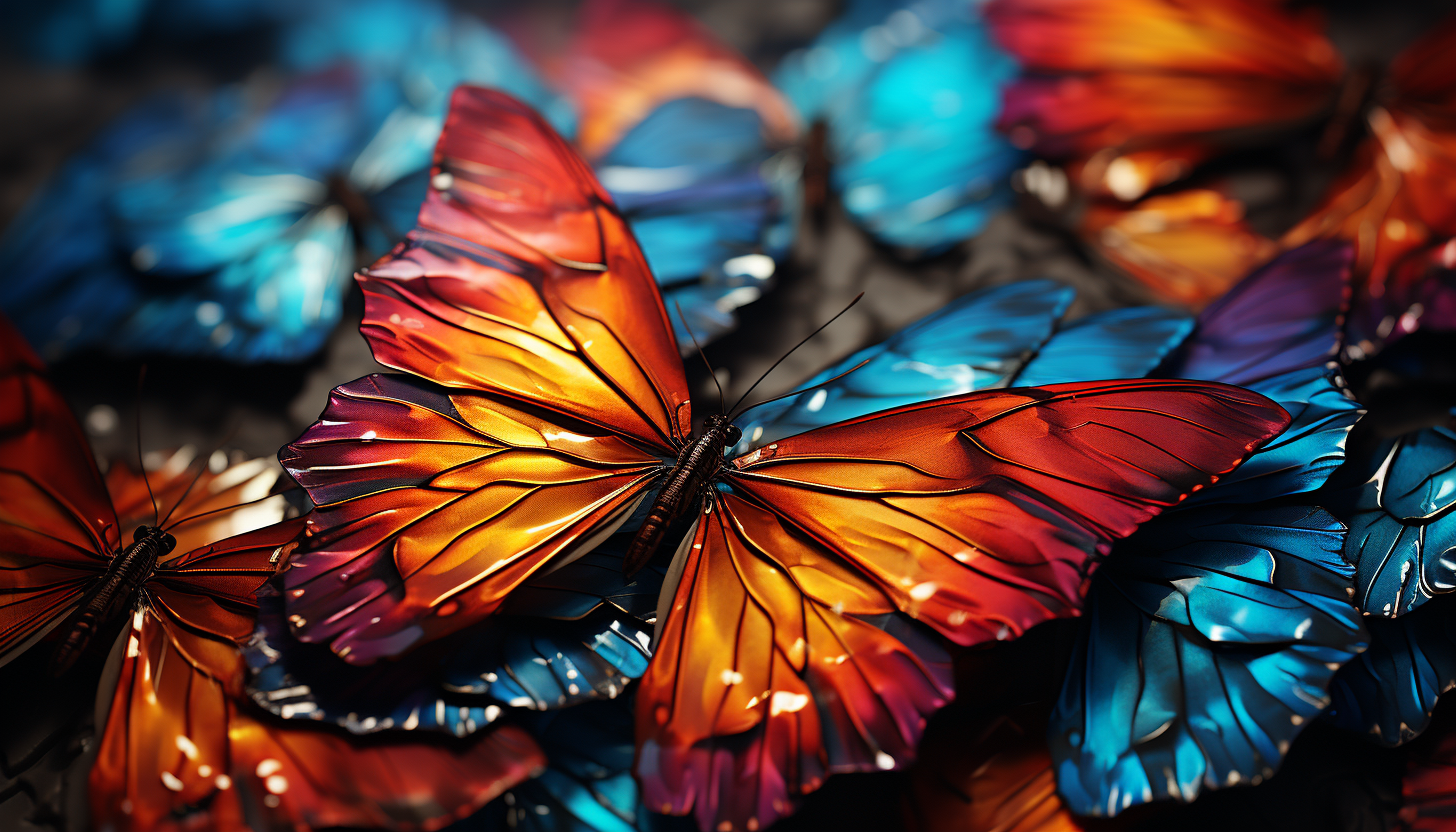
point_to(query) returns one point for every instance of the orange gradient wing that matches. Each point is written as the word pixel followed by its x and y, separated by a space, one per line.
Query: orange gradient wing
pixel 179 753
pixel 57 527
pixel 626 57
pixel 977 515
pixel 432 508
pixel 522 281
pixel 1189 247
pixel 1400 192
pixel 1135 74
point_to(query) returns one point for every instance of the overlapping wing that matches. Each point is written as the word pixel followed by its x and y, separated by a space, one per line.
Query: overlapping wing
pixel 178 751
pixel 524 282
pixel 57 527
pixel 432 507
pixel 779 660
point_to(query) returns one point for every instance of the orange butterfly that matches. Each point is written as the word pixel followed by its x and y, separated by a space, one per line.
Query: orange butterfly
pixel 548 403
pixel 177 750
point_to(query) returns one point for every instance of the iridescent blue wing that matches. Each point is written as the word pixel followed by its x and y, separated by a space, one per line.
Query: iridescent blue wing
pixel 1285 316
pixel 1205 685
pixel 1390 690
pixel 1403 523
pixel 910 94
pixel 975 342
pixel 1121 343
pixel 591 645
pixel 710 204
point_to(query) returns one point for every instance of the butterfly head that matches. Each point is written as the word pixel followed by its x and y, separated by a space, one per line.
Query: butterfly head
pixel 720 424
pixel 165 542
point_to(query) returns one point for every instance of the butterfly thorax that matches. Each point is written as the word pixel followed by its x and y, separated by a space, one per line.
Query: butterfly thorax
pixel 695 468
pixel 112 593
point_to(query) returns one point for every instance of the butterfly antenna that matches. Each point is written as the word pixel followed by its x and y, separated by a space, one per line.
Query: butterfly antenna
pixel 701 354
pixel 823 383
pixel 791 352
pixel 234 506
pixel 206 463
pixel 141 463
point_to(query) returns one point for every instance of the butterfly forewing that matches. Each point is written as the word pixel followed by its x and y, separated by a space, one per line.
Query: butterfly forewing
pixel 523 281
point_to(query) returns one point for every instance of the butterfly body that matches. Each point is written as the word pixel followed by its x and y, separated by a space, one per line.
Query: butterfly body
pixel 685 483
pixel 112 593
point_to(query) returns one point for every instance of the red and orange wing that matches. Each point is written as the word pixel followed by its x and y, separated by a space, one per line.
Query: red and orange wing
pixel 1189 247
pixel 57 527
pixel 522 281
pixel 1135 74
pixel 432 508
pixel 978 515
pixel 179 753
pixel 523 293
pixel 626 57
pixel 1400 193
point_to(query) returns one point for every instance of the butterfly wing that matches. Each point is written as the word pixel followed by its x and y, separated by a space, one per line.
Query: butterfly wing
pixel 1258 603
pixel 176 746
pixel 979 518
pixel 1390 690
pixel 58 529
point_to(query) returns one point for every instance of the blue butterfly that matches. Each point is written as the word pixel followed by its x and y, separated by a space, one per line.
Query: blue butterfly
pixel 227 226
pixel 1211 635
pixel 909 93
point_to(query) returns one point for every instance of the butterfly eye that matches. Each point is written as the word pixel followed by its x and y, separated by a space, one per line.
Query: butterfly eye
pixel 141 532
pixel 168 543
pixel 731 437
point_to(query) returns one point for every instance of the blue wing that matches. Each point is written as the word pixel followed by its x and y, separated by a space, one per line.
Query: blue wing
pixel 1390 690
pixel 1402 520
pixel 1211 637
pixel 709 201
pixel 910 94
pixel 975 342
pixel 568 637
pixel 1121 343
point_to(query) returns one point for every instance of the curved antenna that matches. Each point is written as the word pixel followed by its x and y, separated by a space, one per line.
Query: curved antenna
pixel 141 463
pixel 232 507
pixel 823 383
pixel 791 352
pixel 206 463
pixel 711 374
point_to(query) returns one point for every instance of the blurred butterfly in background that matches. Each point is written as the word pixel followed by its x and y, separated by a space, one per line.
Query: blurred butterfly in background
pixel 694 145
pixel 908 95
pixel 80 31
pixel 1131 97
pixel 226 224
pixel 534 425
pixel 88 561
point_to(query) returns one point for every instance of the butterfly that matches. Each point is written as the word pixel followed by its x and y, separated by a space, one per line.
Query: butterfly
pixel 176 744
pixel 1133 96
pixel 693 144
pixel 1245 582
pixel 908 95
pixel 545 400
pixel 225 224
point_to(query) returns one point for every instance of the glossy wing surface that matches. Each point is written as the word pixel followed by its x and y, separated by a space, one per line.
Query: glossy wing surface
pixel 433 507
pixel 770 674
pixel 1120 343
pixel 982 513
pixel 781 658
pixel 1144 72
pixel 523 281
pixel 1211 638
pixel 1390 690
pixel 58 529
pixel 177 751
pixel 978 341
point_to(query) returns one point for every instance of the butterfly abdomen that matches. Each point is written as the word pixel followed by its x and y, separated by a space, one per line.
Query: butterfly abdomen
pixel 685 483
pixel 112 594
